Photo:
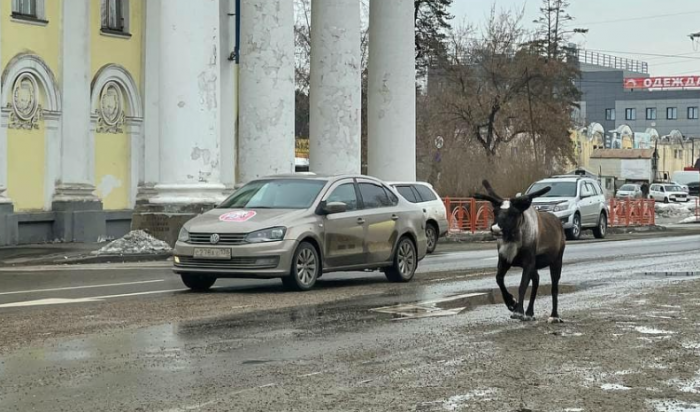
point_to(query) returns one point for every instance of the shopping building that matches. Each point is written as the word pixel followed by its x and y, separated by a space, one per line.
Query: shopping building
pixel 120 114
pixel 621 99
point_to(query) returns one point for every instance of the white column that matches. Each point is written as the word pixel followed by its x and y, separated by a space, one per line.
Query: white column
pixel 229 101
pixel 151 97
pixel 190 103
pixel 266 94
pixel 391 94
pixel 77 165
pixel 3 151
pixel 336 87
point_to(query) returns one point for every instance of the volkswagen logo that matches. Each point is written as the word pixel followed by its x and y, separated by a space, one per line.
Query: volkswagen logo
pixel 214 239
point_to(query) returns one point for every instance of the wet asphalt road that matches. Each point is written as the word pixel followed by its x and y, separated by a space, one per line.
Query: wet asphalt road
pixel 322 350
pixel 38 287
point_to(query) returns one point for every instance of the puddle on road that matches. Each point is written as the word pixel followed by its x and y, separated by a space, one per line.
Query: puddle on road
pixel 455 304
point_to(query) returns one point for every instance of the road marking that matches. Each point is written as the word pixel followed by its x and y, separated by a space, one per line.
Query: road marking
pixel 60 301
pixel 18 292
pixel 53 301
pixel 90 267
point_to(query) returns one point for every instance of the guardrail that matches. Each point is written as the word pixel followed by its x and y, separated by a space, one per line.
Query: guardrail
pixel 468 215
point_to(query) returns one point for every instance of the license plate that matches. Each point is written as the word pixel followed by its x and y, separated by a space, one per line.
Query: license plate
pixel 212 253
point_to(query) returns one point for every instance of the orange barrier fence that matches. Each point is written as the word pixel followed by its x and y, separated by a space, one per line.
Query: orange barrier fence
pixel 470 215
pixel 631 212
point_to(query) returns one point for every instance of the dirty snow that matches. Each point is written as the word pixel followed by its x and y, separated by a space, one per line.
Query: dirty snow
pixel 136 242
pixel 675 210
pixel 614 387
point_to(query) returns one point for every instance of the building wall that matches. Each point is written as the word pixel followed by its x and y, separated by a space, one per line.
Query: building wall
pixel 604 90
pixel 689 127
pixel 113 157
pixel 673 156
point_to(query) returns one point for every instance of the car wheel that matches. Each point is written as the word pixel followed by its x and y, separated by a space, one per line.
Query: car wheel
pixel 198 283
pixel 405 262
pixel 306 266
pixel 575 232
pixel 602 228
pixel 665 200
pixel 431 235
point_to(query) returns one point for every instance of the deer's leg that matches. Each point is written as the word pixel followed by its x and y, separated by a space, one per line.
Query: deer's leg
pixel 528 271
pixel 530 312
pixel 555 271
pixel 503 267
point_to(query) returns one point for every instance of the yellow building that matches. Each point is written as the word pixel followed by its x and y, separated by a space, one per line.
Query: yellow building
pixel 674 154
pixel 120 114
pixel 71 115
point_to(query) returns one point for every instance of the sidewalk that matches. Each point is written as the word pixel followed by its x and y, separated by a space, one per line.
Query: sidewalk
pixel 66 253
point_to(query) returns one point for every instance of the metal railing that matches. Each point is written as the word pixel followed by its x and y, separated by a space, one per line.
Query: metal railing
pixel 613 62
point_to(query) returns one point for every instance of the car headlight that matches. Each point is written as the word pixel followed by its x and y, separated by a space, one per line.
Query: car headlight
pixel 561 207
pixel 274 234
pixel 184 235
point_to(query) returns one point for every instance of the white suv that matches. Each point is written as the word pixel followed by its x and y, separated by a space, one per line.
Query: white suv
pixel 666 192
pixel 577 201
pixel 423 194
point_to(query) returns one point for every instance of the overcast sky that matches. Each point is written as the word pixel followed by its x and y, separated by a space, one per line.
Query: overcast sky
pixel 652 31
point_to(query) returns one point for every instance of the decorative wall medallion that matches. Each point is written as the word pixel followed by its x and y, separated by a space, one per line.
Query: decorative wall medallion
pixel 110 114
pixel 25 110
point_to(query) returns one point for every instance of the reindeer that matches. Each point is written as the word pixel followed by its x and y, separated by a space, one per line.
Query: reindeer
pixel 530 240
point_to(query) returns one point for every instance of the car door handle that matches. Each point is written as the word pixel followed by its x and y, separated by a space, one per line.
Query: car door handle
pixel 394 217
pixel 360 221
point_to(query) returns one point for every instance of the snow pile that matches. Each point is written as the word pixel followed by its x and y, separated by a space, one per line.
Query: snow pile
pixel 674 210
pixel 136 242
pixel 691 219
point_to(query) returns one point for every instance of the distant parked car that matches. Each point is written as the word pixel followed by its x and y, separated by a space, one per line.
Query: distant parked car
pixel 577 201
pixel 629 191
pixel 666 192
pixel 298 227
pixel 424 195
pixel 682 186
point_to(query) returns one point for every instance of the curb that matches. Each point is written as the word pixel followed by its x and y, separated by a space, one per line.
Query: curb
pixel 91 259
pixel 480 237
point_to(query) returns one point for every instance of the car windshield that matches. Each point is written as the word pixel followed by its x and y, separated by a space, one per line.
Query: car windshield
pixel 559 189
pixel 673 188
pixel 275 194
pixel 628 188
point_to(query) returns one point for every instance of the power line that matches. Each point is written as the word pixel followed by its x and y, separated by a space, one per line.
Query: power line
pixel 645 54
pixel 640 18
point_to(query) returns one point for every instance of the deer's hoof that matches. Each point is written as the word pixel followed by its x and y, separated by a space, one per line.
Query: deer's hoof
pixel 528 318
pixel 555 320
pixel 512 306
pixel 517 316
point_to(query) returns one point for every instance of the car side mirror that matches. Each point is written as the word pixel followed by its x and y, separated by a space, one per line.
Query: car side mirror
pixel 334 207
pixel 518 194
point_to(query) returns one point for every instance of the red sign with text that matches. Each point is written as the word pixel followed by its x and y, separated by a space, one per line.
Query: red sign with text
pixel 669 82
